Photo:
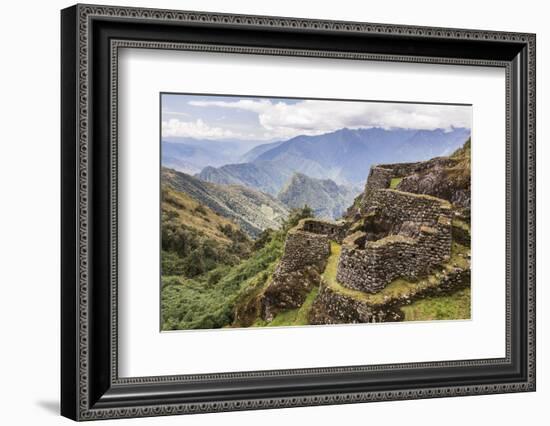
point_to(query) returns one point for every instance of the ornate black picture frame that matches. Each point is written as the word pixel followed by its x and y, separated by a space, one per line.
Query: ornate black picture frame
pixel 91 36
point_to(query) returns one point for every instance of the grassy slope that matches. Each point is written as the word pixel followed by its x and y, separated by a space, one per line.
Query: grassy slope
pixel 452 307
pixel 461 172
pixel 193 214
pixel 329 274
pixel 209 301
pixel 195 239
pixel 298 316
pixel 252 210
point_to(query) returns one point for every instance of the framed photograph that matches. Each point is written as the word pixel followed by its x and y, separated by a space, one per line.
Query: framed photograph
pixel 263 212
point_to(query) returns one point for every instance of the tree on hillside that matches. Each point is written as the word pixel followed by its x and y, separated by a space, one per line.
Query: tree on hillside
pixel 296 215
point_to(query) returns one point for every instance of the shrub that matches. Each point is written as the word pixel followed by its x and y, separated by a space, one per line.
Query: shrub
pixel 295 216
pixel 208 300
pixel 201 210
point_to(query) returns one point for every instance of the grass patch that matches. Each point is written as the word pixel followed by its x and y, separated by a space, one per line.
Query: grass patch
pixel 329 274
pixel 443 203
pixel 453 307
pixel 461 224
pixel 394 182
pixel 298 316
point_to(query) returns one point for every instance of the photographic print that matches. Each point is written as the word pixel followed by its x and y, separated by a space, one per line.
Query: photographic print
pixel 301 212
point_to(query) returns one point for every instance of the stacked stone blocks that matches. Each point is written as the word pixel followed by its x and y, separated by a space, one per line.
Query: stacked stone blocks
pixel 395 234
pixel 419 238
pixel 307 248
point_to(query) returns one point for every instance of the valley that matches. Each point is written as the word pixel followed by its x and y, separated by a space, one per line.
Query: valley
pixel 279 239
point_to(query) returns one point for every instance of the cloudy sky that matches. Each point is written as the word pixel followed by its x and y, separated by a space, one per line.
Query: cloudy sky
pixel 269 119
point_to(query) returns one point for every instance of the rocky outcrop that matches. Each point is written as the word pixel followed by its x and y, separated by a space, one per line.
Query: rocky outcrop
pixel 327 199
pixel 435 182
pixel 288 290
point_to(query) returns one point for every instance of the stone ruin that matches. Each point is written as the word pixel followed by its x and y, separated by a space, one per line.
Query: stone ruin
pixel 305 247
pixel 403 235
pixel 380 176
pixel 423 177
pixel 306 251
pixel 392 234
pixel 333 230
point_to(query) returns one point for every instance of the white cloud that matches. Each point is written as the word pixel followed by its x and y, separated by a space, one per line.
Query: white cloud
pixel 280 120
pixel 166 112
pixel 195 129
pixel 244 104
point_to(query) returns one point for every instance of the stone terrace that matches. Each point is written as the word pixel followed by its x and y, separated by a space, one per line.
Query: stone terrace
pixel 381 175
pixel 404 235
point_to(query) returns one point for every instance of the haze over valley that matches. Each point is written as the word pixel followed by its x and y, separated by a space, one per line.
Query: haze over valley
pixel 294 170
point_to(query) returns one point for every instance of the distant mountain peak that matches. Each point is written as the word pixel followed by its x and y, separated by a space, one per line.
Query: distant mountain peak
pixel 343 156
pixel 327 199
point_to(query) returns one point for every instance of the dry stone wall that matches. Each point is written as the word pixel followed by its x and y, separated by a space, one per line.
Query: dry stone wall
pixel 333 230
pixel 398 207
pixel 333 307
pixel 419 239
pixel 424 177
pixel 304 248
pixel 379 178
pixel 394 234
pixel 403 169
pixel 304 258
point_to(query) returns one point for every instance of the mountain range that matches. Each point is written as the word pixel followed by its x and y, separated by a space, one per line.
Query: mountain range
pixel 327 199
pixel 344 156
pixel 252 210
pixel 191 155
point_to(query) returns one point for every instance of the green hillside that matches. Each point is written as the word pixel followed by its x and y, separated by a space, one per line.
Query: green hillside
pixel 195 239
pixel 211 299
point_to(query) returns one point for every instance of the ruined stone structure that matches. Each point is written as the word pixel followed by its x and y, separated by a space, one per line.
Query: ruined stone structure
pixel 404 235
pixel 331 307
pixel 381 175
pixel 333 230
pixel 306 245
pixel 305 255
pixel 424 177
pixel 389 234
